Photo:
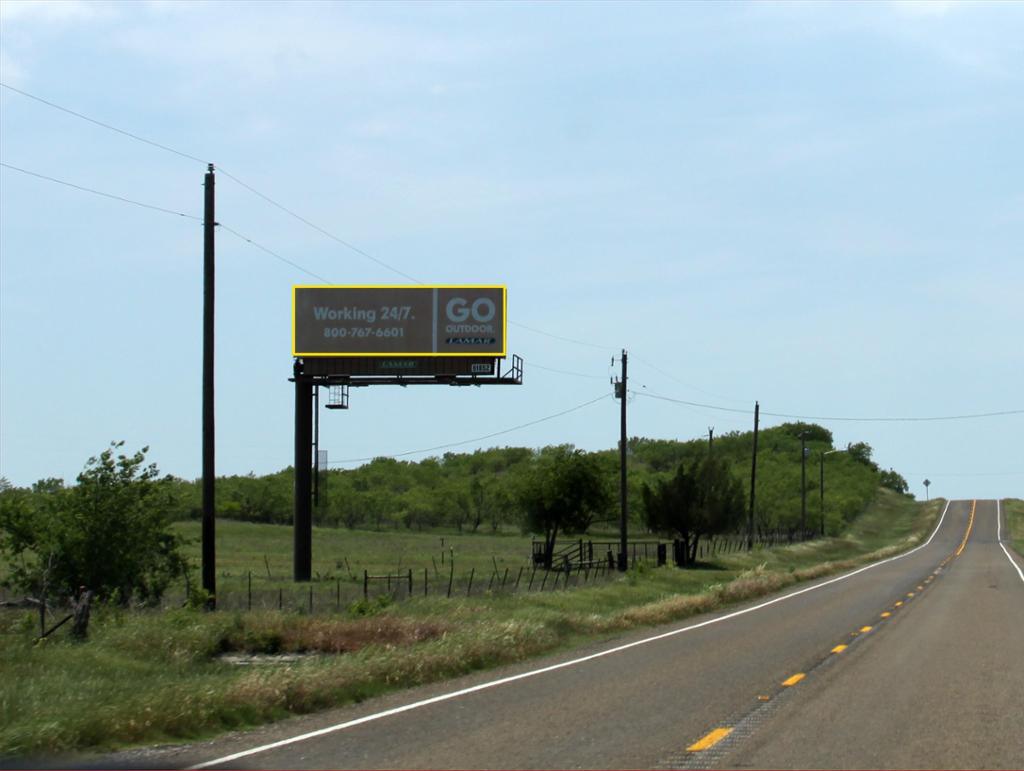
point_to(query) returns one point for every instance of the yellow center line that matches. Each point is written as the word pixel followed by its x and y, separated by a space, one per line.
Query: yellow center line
pixel 899 603
pixel 710 740
pixel 910 594
pixel 794 679
pixel 839 648
pixel 865 629
pixel 886 614
pixel 970 524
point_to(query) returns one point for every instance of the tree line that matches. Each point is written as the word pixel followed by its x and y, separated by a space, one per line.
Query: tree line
pixel 109 530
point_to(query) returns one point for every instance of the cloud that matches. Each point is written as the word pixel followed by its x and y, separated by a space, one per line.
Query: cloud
pixel 933 8
pixel 53 11
pixel 10 71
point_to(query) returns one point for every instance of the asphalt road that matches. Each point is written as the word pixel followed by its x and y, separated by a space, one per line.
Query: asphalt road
pixel 936 683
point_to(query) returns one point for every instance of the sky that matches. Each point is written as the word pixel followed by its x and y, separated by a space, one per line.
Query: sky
pixel 816 206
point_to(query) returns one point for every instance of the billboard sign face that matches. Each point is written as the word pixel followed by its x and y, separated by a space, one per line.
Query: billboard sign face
pixel 398 320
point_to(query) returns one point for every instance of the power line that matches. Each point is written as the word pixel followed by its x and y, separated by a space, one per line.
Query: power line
pixel 940 475
pixel 285 209
pixel 317 228
pixel 223 171
pixel 101 123
pixel 564 339
pixel 476 439
pixel 535 365
pixel 100 192
pixel 271 252
pixel 900 419
pixel 670 376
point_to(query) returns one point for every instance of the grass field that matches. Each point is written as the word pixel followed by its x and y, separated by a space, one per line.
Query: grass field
pixel 162 676
pixel 265 552
pixel 1014 509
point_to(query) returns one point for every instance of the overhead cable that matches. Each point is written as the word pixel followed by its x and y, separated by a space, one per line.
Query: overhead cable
pixel 271 252
pixel 887 419
pixel 102 124
pixel 317 228
pixel 535 365
pixel 475 439
pixel 100 192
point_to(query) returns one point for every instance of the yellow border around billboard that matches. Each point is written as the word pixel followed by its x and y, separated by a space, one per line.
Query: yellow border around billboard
pixel 504 318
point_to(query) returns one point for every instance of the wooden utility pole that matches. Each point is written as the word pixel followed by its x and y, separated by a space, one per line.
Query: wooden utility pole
pixel 753 482
pixel 803 483
pixel 302 554
pixel 209 469
pixel 711 439
pixel 621 393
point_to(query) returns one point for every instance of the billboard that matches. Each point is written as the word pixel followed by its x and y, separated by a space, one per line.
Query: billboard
pixel 398 320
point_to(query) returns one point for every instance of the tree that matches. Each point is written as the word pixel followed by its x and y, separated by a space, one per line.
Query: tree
pixel 669 506
pixel 894 481
pixel 565 491
pixel 861 452
pixel 705 500
pixel 108 533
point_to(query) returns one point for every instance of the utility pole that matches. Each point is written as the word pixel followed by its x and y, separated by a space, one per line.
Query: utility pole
pixel 209 469
pixel 822 493
pixel 620 393
pixel 711 439
pixel 302 551
pixel 753 482
pixel 803 483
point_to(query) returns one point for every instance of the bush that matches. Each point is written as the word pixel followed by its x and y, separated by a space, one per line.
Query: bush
pixel 108 533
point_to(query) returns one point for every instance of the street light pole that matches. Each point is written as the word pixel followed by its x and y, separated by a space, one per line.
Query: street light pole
pixel 822 488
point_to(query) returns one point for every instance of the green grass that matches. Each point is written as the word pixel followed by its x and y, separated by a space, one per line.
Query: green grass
pixel 157 676
pixel 1014 509
pixel 339 558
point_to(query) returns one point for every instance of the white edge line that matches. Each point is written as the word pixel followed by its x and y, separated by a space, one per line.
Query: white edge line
pixel 999 539
pixel 553 667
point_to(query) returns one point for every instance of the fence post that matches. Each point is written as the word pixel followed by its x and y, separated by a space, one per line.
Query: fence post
pixel 366 585
pixel 544 582
pixel 337 593
pixel 250 591
pixel 451 577
pixel 470 587
pixel 410 582
pixel 425 575
pixel 519 577
pixel 280 598
pixel 504 578
pixel 532 574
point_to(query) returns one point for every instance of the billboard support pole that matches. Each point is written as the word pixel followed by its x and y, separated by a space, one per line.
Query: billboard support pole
pixel 302 556
pixel 316 446
pixel 209 471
